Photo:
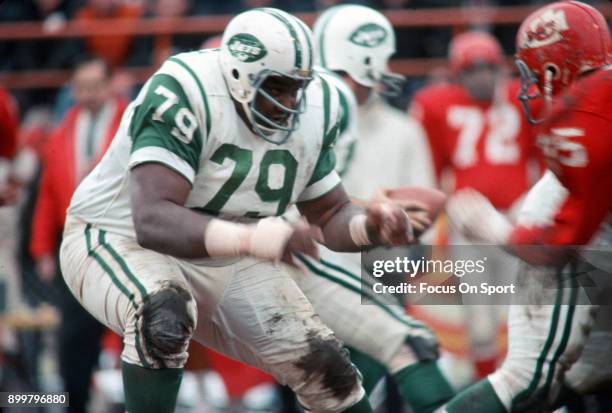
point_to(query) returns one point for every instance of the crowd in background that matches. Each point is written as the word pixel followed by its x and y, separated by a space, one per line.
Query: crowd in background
pixel 138 51
pixel 130 51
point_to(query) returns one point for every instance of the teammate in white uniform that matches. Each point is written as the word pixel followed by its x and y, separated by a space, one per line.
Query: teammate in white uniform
pixel 383 337
pixel 357 42
pixel 174 234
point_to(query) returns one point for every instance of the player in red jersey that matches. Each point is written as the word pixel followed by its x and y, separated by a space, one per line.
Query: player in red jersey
pixel 564 54
pixel 479 139
pixel 564 51
pixel 474 126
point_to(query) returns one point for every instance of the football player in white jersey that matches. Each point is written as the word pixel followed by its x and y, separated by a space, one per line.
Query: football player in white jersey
pixel 176 235
pixel 356 42
pixel 381 337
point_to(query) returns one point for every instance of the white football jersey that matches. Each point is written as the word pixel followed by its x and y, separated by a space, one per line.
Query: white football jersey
pixel 347 136
pixel 185 119
pixel 391 147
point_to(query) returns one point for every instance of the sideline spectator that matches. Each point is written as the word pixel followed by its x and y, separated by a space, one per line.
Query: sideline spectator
pixel 72 151
pixel 9 119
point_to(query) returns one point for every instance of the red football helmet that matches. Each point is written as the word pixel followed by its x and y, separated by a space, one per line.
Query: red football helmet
pixel 474 47
pixel 555 44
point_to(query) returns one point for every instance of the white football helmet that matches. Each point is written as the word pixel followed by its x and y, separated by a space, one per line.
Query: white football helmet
pixel 357 40
pixel 260 43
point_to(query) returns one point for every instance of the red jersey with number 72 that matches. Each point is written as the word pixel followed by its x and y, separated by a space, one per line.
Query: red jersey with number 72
pixel 576 142
pixel 486 146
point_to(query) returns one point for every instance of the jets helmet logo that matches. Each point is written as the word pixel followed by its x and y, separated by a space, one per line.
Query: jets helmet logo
pixel 246 48
pixel 545 29
pixel 369 35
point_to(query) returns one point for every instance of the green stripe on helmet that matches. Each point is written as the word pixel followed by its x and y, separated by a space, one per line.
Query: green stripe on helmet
pixel 307 37
pixel 296 41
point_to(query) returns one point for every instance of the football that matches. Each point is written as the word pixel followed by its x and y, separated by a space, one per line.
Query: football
pixel 433 198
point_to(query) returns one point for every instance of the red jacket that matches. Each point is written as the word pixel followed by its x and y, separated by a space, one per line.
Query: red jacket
pixel 60 178
pixel 9 122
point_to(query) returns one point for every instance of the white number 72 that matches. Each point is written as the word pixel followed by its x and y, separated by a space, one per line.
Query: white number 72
pixel 500 142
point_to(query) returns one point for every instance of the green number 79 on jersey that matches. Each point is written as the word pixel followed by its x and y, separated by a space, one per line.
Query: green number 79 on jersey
pixel 185 126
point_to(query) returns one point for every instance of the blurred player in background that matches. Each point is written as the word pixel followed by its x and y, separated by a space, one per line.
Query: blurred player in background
pixel 479 140
pixel 175 234
pixel 474 126
pixel 564 54
pixel 73 149
pixel 10 297
pixel 358 50
pixel 9 119
pixel 354 46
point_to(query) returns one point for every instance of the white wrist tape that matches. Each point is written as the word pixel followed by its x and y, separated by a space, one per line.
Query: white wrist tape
pixel 269 238
pixel 358 230
pixel 266 239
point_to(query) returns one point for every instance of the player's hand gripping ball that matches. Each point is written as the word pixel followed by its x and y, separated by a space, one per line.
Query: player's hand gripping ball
pixel 388 225
pixel 423 205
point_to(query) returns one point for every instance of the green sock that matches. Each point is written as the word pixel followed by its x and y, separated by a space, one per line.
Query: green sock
pixel 150 390
pixel 371 370
pixel 423 386
pixel 478 398
pixel 363 406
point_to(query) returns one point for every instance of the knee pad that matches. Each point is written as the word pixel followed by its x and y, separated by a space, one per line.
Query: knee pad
pixel 168 322
pixel 328 361
pixel 324 378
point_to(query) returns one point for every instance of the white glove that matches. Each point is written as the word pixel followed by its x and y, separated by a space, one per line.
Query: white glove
pixel 475 218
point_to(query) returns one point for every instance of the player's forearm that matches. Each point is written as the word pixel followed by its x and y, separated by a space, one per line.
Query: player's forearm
pixel 163 224
pixel 337 232
pixel 171 229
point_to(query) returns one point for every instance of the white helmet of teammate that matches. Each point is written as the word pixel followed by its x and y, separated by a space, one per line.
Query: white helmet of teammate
pixel 357 40
pixel 260 43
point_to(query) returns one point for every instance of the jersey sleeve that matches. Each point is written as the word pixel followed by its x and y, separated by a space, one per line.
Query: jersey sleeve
pixel 164 128
pixel 347 132
pixel 582 159
pixel 324 177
